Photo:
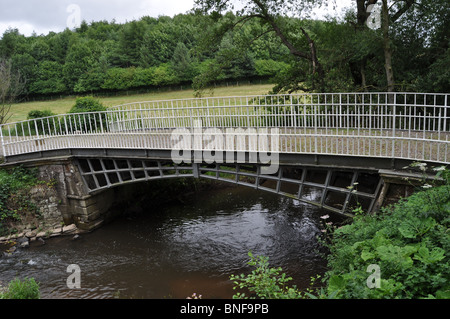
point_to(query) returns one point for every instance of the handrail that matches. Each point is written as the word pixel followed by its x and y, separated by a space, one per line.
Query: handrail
pixel 412 126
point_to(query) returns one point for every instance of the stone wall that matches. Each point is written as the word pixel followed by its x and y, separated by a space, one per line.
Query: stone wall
pixel 63 202
pixel 49 201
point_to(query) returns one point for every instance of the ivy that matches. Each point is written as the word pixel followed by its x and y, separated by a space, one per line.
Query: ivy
pixel 13 201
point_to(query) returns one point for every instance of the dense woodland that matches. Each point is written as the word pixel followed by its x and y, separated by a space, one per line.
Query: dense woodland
pixel 212 44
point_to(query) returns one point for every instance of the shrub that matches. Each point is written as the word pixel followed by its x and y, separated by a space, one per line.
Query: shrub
pixel 18 289
pixel 85 123
pixel 409 242
pixel 36 114
pixel 40 127
pixel 264 282
pixel 87 104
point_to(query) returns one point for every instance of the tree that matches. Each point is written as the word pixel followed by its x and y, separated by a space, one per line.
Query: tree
pixel 94 78
pixel 12 43
pixel 387 47
pixel 182 62
pixel 391 12
pixel 130 42
pixel 270 14
pixel 27 66
pixel 159 42
pixel 81 57
pixel 11 87
pixel 49 79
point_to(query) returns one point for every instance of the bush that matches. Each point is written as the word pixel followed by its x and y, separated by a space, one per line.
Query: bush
pixel 84 123
pixel 37 114
pixel 18 289
pixel 87 104
pixel 408 242
pixel 43 127
pixel 264 282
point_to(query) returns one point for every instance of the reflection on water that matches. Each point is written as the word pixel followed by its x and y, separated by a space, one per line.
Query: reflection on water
pixel 174 251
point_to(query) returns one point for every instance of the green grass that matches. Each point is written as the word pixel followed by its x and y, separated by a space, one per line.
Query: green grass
pixel 20 111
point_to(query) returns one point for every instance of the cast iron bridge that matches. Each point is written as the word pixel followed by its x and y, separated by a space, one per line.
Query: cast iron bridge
pixel 328 150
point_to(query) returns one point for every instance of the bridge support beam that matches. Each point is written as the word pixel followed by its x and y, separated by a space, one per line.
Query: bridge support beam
pixel 397 184
pixel 87 192
pixel 336 189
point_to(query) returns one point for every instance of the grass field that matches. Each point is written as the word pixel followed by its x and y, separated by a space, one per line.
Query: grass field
pixel 20 111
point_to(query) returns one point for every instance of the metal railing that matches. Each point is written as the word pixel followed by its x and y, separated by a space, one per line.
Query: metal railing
pixel 412 126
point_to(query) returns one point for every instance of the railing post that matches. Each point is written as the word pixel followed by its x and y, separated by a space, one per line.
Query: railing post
pixel 248 111
pixel 3 141
pixel 315 127
pixel 394 121
pixel 37 134
pixel 446 106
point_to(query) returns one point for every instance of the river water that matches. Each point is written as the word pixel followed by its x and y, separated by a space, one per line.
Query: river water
pixel 179 248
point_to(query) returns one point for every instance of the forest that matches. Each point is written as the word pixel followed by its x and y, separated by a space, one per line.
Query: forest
pixel 407 51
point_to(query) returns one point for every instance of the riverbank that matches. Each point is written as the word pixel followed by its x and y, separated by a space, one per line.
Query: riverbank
pixel 24 239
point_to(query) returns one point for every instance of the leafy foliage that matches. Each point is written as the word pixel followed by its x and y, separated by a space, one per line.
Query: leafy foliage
pixel 22 289
pixel 37 114
pixel 264 282
pixel 219 43
pixel 87 104
pixel 409 242
pixel 13 201
pixel 85 122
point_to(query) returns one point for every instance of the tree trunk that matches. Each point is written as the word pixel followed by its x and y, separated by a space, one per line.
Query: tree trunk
pixel 317 66
pixel 363 76
pixel 387 48
pixel 358 68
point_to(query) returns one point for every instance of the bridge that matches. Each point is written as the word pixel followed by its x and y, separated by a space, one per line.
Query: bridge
pixel 333 150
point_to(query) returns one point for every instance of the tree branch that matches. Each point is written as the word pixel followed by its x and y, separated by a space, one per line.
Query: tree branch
pixel 265 15
pixel 402 10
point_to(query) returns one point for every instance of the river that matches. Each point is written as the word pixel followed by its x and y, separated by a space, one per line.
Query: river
pixel 179 248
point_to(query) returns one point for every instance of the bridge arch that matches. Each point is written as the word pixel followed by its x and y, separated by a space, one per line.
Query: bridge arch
pixel 334 189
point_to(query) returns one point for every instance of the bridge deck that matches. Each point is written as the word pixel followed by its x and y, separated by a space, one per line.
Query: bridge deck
pixel 429 146
pixel 412 126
